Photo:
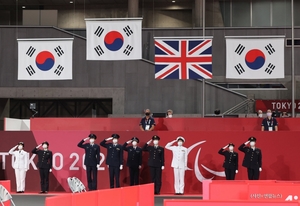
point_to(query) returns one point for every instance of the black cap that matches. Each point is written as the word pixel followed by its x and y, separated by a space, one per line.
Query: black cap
pixel 92 136
pixel 135 139
pixel 155 137
pixel 45 142
pixel 230 144
pixel 252 139
pixel 115 136
pixel 21 143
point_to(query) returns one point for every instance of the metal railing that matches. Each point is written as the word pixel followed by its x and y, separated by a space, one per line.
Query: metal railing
pixel 244 106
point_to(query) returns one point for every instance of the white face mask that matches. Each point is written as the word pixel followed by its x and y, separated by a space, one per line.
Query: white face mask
pixel 134 143
pixel 260 115
pixel 269 114
pixel 230 148
pixel 45 146
pixel 179 143
pixel 170 116
pixel 20 147
pixel 155 142
pixel 252 144
pixel 115 141
pixel 92 140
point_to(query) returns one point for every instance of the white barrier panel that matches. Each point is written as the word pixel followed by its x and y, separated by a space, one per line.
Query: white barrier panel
pixel 11 124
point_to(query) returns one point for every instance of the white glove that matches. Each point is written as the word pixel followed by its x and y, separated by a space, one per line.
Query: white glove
pixel 110 138
pixel 246 142
pixel 39 146
pixel 140 166
pixel 185 168
pixel 128 142
pixel 149 141
pixel 107 166
pixel 236 171
pixel 162 167
pixel 225 147
pixel 98 166
pixel 260 169
pixel 85 139
pixel 121 167
pixel 50 170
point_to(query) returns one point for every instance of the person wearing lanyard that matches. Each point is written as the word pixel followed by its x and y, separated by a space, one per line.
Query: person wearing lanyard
pixel 269 123
pixel 147 123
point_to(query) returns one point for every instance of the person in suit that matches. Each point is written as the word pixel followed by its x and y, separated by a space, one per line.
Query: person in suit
pixel 252 159
pixel 44 164
pixel 156 162
pixel 114 159
pixel 134 160
pixel 21 165
pixel 91 160
pixel 179 163
pixel 231 161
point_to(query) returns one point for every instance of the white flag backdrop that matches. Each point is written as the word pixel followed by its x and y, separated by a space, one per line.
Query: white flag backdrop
pixel 254 58
pixel 45 59
pixel 114 39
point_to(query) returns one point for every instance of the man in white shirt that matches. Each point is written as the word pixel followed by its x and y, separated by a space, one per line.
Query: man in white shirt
pixel 20 164
pixel 179 163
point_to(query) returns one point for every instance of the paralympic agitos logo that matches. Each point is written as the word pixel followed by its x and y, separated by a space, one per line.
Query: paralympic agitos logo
pixel 197 171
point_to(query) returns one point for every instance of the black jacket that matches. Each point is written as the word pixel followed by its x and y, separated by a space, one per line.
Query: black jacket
pixel 231 159
pixel 156 155
pixel 252 157
pixel 114 155
pixel 44 158
pixel 92 153
pixel 134 158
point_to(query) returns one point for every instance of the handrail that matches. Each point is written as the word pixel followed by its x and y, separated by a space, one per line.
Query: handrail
pixel 239 106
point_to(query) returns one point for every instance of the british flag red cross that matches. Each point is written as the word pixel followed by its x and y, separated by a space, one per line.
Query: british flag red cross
pixel 183 59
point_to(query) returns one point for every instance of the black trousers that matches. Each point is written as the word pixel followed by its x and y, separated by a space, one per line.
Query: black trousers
pixel 134 174
pixel 253 174
pixel 155 173
pixel 44 175
pixel 114 174
pixel 230 174
pixel 91 174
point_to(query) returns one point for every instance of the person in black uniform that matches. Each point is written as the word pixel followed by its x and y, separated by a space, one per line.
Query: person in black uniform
pixel 156 162
pixel 44 164
pixel 91 160
pixel 114 159
pixel 231 161
pixel 134 160
pixel 252 159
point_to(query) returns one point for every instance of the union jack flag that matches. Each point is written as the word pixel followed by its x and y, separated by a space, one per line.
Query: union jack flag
pixel 183 59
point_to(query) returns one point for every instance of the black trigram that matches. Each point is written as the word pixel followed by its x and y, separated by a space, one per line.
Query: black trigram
pixel 239 68
pixel 99 50
pixel 99 31
pixel 270 49
pixel 270 68
pixel 30 70
pixel 59 51
pixel 239 49
pixel 128 50
pixel 30 51
pixel 127 30
pixel 59 70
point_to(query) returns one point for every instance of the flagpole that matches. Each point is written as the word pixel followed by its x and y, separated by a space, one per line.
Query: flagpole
pixel 293 61
pixel 203 81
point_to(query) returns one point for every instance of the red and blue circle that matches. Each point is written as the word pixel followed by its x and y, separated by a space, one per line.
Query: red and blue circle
pixel 255 59
pixel 113 40
pixel 44 60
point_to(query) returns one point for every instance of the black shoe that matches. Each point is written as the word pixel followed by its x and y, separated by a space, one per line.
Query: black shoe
pixel 181 193
pixel 157 193
pixel 19 191
pixel 22 191
pixel 177 193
